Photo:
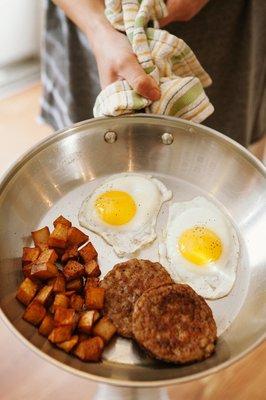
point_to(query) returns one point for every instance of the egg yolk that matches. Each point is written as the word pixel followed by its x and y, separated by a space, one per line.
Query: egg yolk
pixel 200 245
pixel 115 207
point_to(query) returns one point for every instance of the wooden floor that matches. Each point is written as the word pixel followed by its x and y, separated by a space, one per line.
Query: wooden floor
pixel 25 376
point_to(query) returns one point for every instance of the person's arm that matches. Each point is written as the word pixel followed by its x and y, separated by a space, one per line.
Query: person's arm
pixel 182 10
pixel 112 50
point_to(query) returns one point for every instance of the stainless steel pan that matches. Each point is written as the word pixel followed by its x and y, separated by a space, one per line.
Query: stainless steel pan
pixel 56 175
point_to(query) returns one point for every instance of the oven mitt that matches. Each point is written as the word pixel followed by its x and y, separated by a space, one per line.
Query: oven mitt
pixel 168 59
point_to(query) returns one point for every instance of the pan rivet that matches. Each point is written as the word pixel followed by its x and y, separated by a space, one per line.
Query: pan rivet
pixel 167 138
pixel 110 136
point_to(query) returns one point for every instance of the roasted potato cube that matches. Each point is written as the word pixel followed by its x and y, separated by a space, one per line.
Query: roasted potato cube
pixel 26 270
pixel 60 300
pixel 76 237
pixel 27 291
pixel 82 337
pixel 104 328
pixel 94 298
pixel 70 254
pixel 40 237
pixel 58 237
pixel 68 345
pixel 59 252
pixel 34 313
pixel 43 271
pixel 90 349
pixel 88 252
pixel 62 220
pixel 92 282
pixel 60 334
pixel 76 284
pixel 44 295
pixel 64 316
pixel 69 293
pixel 92 269
pixel 86 320
pixel 76 302
pixel 73 270
pixel 48 255
pixel 47 325
pixel 58 283
pixel 30 254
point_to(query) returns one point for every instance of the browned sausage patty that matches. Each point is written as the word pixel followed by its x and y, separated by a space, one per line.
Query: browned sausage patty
pixel 124 284
pixel 174 324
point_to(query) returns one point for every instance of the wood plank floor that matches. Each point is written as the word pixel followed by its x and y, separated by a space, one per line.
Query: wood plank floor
pixel 25 376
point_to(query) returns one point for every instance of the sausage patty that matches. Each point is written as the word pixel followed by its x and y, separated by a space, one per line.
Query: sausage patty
pixel 124 284
pixel 174 324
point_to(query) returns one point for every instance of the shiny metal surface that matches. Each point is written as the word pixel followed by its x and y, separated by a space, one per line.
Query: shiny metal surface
pixel 55 176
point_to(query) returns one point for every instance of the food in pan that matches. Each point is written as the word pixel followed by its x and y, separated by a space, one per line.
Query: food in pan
pixel 200 247
pixel 124 210
pixel 174 324
pixel 124 284
pixel 61 291
pixel 137 299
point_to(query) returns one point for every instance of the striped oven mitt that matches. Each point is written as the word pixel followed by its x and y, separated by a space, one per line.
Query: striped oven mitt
pixel 168 59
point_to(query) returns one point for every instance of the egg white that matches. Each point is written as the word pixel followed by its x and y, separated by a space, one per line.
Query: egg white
pixel 148 193
pixel 215 279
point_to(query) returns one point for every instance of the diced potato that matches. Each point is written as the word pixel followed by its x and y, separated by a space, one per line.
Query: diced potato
pixel 104 328
pixel 59 252
pixel 43 271
pixel 82 337
pixel 90 349
pixel 27 291
pixel 48 255
pixel 60 334
pixel 40 237
pixel 58 237
pixel 69 293
pixel 92 269
pixel 92 282
pixel 44 295
pixel 62 220
pixel 30 254
pixel 70 254
pixel 88 252
pixel 76 237
pixel 58 283
pixel 73 270
pixel 76 284
pixel 64 316
pixel 94 298
pixel 26 270
pixel 47 325
pixel 60 300
pixel 86 320
pixel 68 345
pixel 34 313
pixel 76 302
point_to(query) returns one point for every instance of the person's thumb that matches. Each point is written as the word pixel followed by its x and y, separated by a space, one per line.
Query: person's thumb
pixel 142 83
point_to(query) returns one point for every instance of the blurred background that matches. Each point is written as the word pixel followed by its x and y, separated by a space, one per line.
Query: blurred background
pixel 21 24
pixel 23 375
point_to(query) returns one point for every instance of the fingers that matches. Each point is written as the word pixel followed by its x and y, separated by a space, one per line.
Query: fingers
pixel 107 76
pixel 142 83
pixel 165 21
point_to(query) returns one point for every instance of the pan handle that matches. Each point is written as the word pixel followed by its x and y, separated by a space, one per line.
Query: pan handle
pixel 120 393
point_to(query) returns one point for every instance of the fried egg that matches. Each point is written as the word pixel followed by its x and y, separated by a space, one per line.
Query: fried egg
pixel 124 209
pixel 200 247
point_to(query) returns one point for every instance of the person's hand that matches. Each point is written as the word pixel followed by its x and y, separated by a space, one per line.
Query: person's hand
pixel 116 60
pixel 182 10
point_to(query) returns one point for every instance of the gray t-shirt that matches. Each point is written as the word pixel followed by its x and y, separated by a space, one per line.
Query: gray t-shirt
pixel 228 38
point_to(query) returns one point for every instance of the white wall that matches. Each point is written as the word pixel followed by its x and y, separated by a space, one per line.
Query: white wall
pixel 19 29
